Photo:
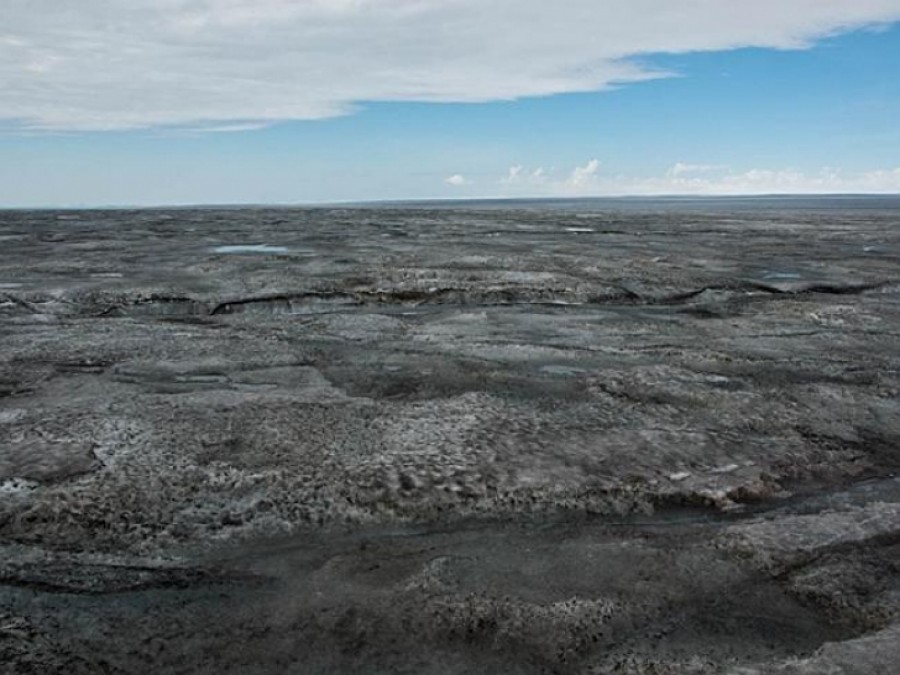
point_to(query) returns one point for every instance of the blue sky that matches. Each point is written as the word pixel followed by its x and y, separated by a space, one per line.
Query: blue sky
pixel 797 104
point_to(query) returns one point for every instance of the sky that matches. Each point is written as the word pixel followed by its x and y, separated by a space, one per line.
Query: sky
pixel 169 102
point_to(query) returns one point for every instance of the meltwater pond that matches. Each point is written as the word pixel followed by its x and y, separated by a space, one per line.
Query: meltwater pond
pixel 251 249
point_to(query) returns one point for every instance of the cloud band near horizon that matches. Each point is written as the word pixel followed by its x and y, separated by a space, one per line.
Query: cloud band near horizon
pixel 593 180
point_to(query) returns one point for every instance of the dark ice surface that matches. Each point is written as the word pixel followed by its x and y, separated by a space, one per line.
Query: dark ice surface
pixel 585 436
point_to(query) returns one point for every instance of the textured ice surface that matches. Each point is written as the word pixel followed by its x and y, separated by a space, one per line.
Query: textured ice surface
pixel 444 440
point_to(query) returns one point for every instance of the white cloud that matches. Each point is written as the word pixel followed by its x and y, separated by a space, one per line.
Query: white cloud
pixel 457 180
pixel 584 178
pixel 770 181
pixel 698 179
pixel 683 169
pixel 109 64
pixel 518 176
pixel 514 176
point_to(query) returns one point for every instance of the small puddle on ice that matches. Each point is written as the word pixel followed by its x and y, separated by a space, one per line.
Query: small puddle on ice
pixel 781 275
pixel 251 248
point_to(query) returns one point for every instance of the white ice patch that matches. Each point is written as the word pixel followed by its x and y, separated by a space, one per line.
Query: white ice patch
pixel 716 379
pixel 11 415
pixel 727 468
pixel 16 486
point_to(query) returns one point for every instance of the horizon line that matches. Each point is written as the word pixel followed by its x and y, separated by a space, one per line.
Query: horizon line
pixel 455 200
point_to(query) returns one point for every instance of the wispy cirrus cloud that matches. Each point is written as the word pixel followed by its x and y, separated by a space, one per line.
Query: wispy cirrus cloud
pixel 108 64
